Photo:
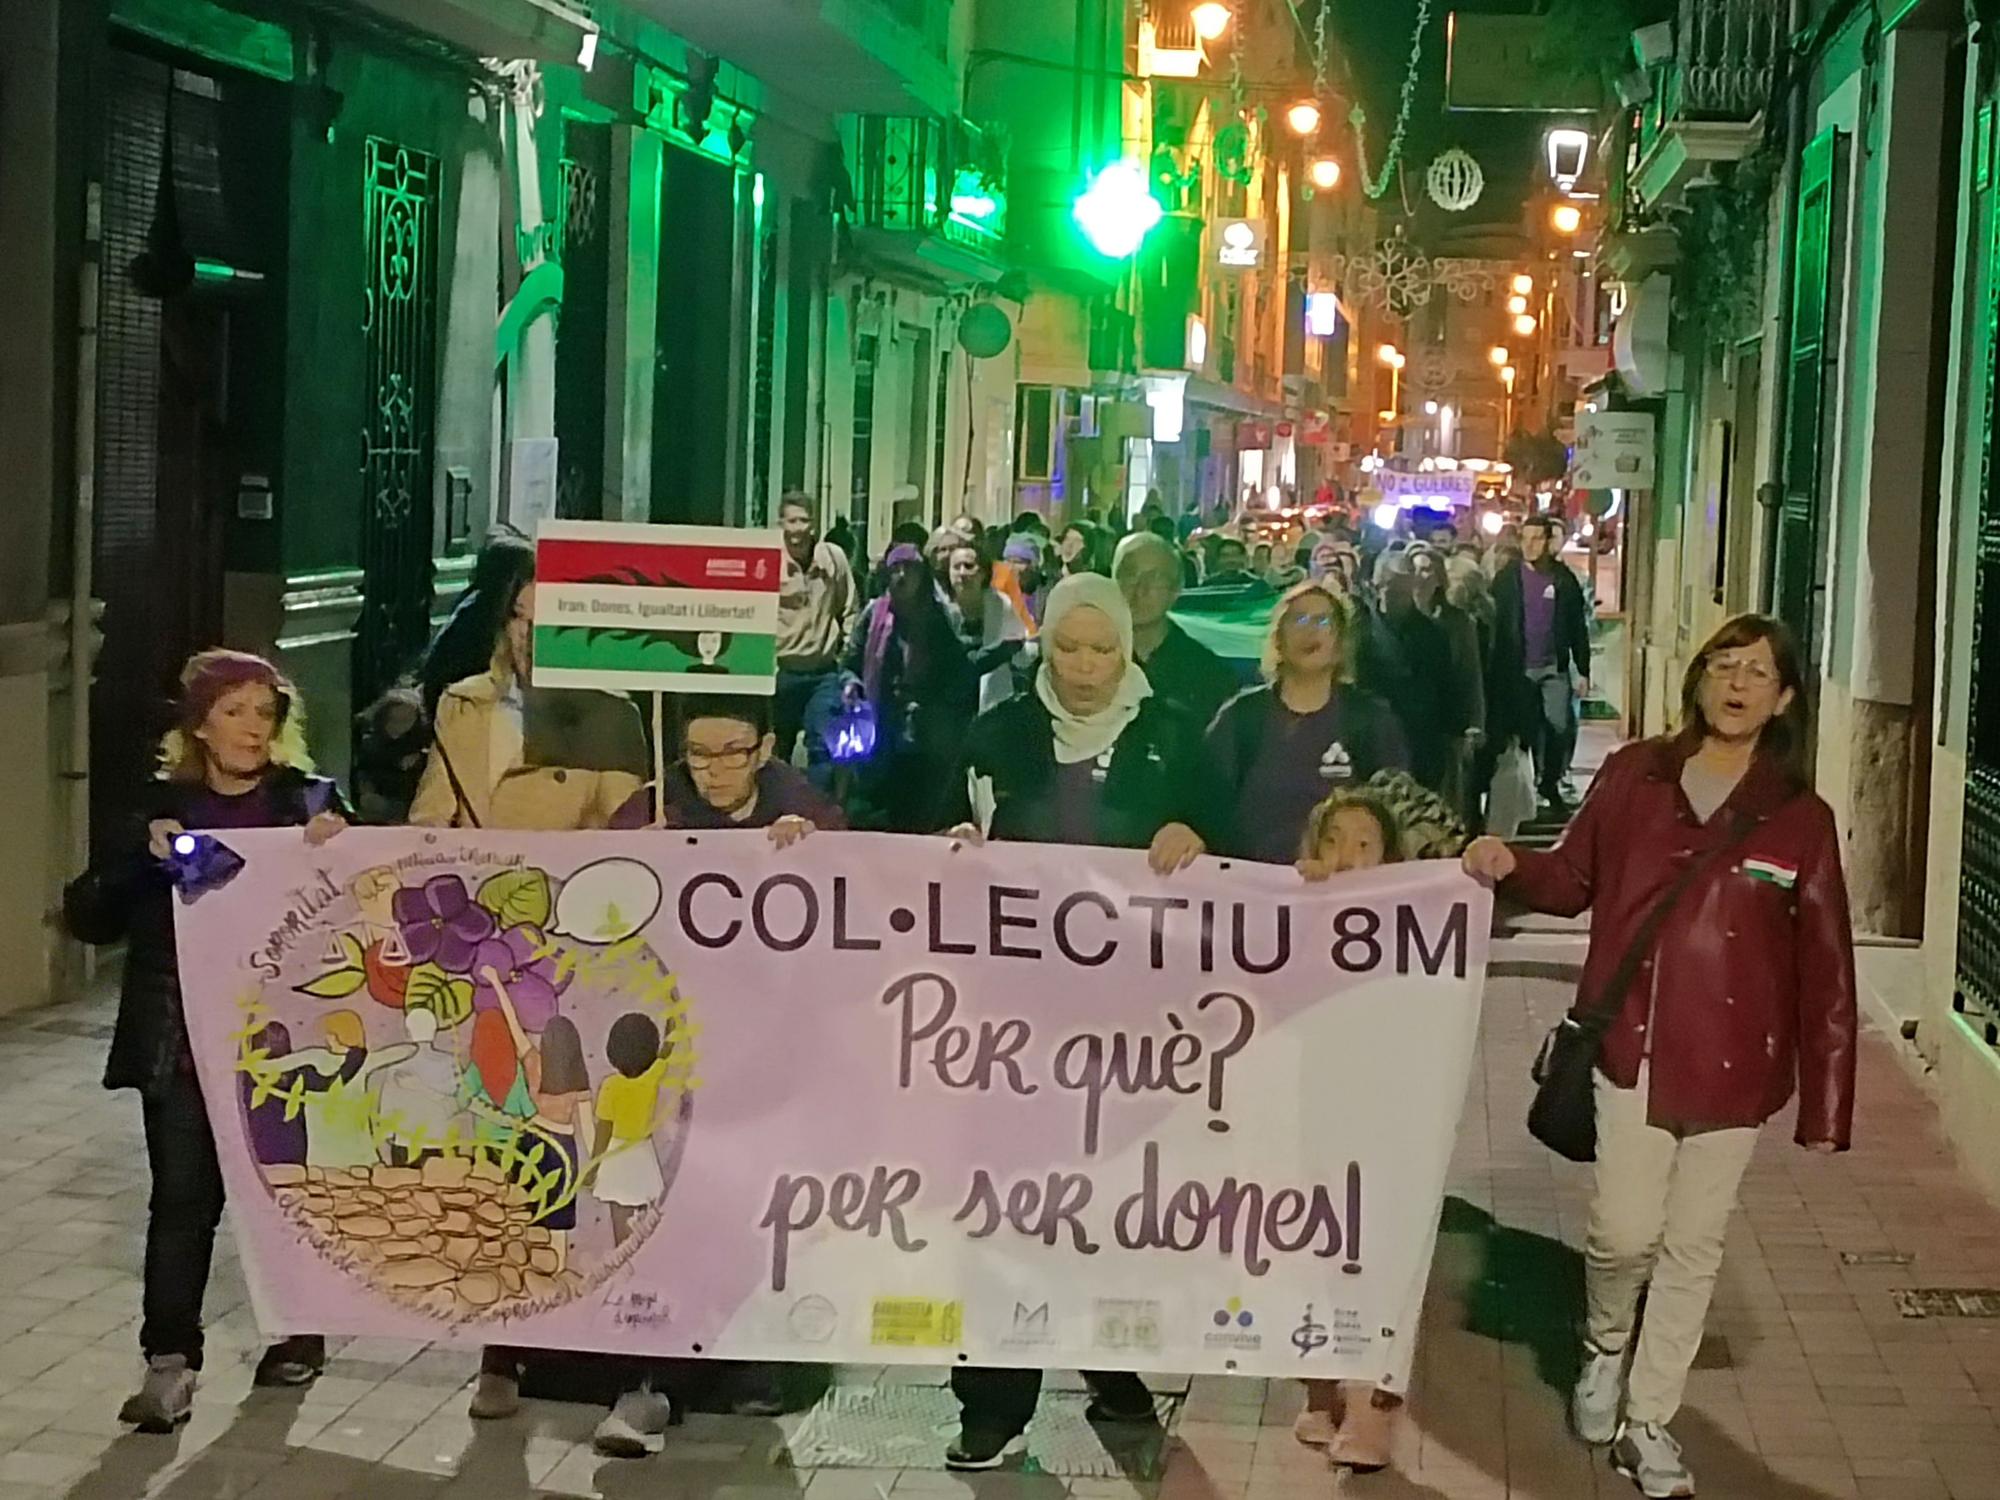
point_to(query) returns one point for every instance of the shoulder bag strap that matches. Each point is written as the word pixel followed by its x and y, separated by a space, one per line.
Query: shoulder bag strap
pixel 1596 1016
pixel 457 789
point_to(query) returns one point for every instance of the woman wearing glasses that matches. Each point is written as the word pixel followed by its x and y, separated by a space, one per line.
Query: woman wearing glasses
pixel 1281 749
pixel 1720 950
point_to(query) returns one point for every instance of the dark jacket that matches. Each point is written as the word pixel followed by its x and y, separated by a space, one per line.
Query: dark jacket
pixel 1189 676
pixel 782 792
pixel 127 895
pixel 1368 731
pixel 1155 776
pixel 1750 987
pixel 1513 705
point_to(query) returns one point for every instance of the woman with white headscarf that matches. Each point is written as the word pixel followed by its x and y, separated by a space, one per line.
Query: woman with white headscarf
pixel 1086 755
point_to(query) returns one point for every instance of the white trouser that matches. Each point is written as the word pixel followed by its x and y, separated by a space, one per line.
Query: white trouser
pixel 1659 1214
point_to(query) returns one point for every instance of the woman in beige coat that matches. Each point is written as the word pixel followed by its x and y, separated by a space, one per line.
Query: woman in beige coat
pixel 489 769
pixel 485 771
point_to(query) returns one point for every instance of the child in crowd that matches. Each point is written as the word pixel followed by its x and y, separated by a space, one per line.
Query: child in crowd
pixel 236 758
pixel 1353 1421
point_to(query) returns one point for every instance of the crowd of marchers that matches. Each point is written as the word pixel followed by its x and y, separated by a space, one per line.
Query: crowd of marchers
pixel 1413 697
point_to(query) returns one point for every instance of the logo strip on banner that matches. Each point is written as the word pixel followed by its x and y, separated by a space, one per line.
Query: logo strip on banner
pixel 1015 1105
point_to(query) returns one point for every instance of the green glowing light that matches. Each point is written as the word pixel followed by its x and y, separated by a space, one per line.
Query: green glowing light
pixel 1117 212
pixel 975 206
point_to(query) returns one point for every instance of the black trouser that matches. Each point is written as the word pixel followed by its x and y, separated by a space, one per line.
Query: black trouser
pixel 995 1400
pixel 185 1208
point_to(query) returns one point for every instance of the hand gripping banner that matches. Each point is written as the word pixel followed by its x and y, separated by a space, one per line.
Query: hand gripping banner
pixel 868 1099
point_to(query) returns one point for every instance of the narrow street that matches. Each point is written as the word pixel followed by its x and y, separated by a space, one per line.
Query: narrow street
pixel 1811 1384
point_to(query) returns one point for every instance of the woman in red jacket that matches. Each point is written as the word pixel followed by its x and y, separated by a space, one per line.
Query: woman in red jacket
pixel 1746 994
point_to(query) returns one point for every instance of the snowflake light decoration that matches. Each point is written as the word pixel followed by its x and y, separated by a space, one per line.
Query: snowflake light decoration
pixel 1399 279
pixel 1454 180
pixel 1392 276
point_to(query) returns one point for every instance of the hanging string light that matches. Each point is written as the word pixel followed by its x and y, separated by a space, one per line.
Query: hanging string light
pixel 1372 184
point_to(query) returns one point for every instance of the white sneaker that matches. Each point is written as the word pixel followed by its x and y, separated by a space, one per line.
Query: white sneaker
pixel 635 1426
pixel 165 1400
pixel 1600 1389
pixel 1647 1455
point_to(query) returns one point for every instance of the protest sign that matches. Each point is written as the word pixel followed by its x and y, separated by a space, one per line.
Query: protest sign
pixel 870 1098
pixel 665 609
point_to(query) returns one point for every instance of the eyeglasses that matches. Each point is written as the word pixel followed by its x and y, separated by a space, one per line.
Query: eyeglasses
pixel 1729 669
pixel 730 758
pixel 1318 620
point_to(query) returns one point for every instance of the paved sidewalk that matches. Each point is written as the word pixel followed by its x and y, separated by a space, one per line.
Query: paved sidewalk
pixel 1811 1384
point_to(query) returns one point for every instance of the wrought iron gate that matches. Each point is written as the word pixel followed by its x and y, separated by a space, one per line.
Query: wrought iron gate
pixel 1978 982
pixel 1799 584
pixel 399 327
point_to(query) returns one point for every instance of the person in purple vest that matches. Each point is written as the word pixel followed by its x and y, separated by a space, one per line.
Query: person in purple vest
pixel 1541 656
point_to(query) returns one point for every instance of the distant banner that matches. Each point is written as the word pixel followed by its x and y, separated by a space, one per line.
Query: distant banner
pixel 869 1099
pixel 656 608
pixel 1453 487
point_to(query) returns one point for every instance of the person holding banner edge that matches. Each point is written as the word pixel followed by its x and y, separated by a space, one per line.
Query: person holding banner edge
pixel 236 758
pixel 1087 755
pixel 1719 979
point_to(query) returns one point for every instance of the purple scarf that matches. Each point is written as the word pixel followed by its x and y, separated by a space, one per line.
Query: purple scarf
pixel 882 629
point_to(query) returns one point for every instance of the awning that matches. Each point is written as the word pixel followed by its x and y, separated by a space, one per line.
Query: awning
pixel 1213 393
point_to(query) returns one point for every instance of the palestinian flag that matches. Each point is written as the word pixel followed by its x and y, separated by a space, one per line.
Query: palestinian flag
pixel 656 608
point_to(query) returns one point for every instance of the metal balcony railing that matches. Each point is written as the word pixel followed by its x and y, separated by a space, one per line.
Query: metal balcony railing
pixel 925 176
pixel 1724 54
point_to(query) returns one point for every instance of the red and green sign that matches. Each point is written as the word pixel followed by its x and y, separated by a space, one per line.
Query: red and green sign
pixel 670 609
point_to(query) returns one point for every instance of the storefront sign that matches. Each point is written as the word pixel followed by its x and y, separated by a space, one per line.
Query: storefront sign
pixel 874 1097
pixel 656 608
pixel 1614 450
pixel 1239 244
pixel 1252 435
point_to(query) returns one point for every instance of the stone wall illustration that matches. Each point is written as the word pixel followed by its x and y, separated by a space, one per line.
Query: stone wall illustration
pixel 451 1237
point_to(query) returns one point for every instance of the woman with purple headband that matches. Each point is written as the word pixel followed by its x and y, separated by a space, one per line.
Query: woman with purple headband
pixel 235 758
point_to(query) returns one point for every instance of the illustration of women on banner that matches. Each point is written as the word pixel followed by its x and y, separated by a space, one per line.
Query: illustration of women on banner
pixel 500 1128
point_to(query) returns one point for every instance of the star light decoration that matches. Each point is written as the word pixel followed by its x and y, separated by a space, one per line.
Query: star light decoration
pixel 1454 180
pixel 1399 279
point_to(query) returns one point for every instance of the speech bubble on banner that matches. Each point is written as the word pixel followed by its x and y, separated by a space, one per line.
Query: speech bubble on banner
pixel 607 902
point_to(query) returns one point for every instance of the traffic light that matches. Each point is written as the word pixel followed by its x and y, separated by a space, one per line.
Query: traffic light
pixel 1117 211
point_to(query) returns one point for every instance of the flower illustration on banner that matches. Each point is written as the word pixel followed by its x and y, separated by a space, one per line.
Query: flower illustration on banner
pixel 440 924
pixel 403 1139
pixel 526 964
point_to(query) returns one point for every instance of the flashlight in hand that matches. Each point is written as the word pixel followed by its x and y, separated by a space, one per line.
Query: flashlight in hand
pixel 199 863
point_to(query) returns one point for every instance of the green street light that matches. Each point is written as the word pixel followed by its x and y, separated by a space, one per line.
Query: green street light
pixel 1117 211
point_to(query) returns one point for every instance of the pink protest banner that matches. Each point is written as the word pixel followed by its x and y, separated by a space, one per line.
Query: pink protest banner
pixel 871 1098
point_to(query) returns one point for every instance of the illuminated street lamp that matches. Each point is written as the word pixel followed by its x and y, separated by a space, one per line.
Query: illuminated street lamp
pixel 1507 377
pixel 1116 212
pixel 1303 117
pixel 1567 149
pixel 1497 356
pixel 1567 218
pixel 1522 284
pixel 1323 172
pixel 1517 304
pixel 1211 19
pixel 1525 324
pixel 1395 359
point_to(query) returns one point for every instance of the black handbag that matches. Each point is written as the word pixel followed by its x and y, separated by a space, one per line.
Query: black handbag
pixel 1563 1116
